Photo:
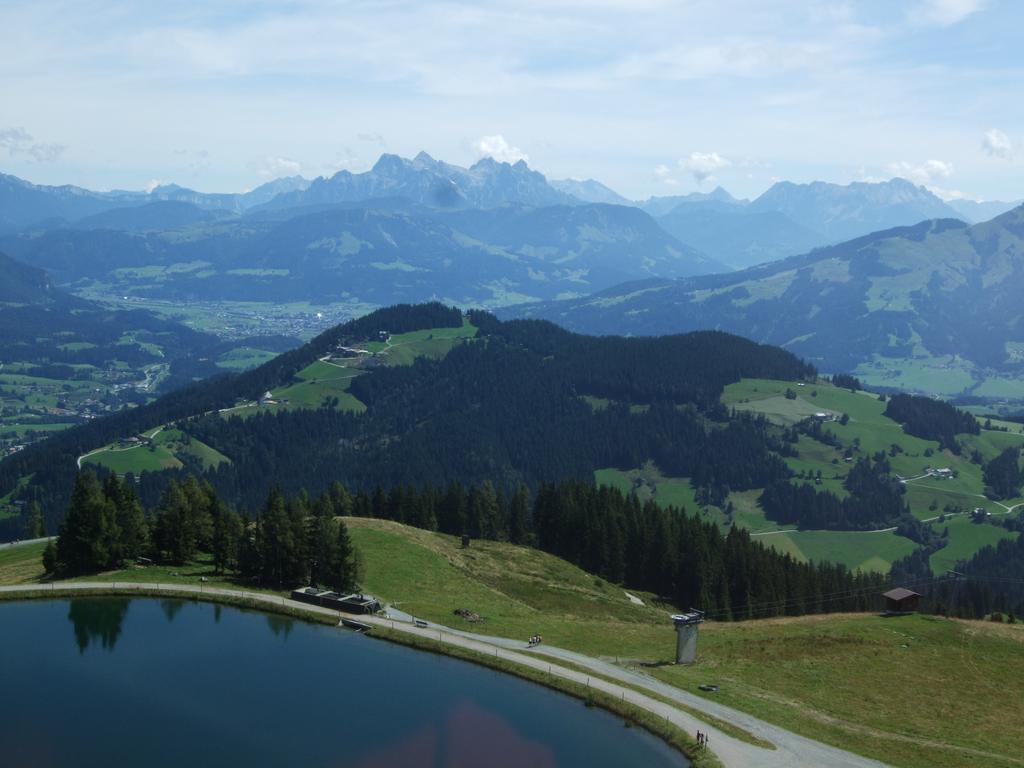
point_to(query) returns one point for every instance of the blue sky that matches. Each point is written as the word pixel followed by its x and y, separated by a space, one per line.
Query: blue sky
pixel 648 96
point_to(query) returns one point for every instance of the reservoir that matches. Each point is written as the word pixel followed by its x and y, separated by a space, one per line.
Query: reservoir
pixel 120 682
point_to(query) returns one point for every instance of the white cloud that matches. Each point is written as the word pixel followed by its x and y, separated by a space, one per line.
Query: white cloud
pixel 948 194
pixel 702 165
pixel 372 138
pixel 271 167
pixel 153 184
pixel 498 148
pixel 945 13
pixel 997 144
pixel 664 174
pixel 925 174
pixel 18 141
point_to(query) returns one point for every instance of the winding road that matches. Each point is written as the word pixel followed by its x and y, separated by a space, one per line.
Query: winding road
pixel 792 750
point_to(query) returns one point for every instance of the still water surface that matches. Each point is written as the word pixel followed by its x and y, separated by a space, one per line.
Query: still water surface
pixel 119 682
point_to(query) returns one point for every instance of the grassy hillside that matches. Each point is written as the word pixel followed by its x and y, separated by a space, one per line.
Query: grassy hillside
pixel 164 449
pixel 912 691
pixel 880 687
pixel 944 502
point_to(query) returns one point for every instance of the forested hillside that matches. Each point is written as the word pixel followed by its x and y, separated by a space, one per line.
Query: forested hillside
pixel 523 403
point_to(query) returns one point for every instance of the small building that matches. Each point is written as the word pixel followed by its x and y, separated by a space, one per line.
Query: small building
pixel 354 603
pixel 901 601
pixel 825 416
pixel 941 472
pixel 267 398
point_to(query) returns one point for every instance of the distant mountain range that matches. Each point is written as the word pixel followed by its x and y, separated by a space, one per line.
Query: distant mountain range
pixel 419 229
pixel 23 204
pixel 432 183
pixel 375 252
pixel 928 307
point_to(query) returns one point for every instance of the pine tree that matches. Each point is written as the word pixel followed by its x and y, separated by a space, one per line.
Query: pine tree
pixel 131 521
pixel 174 535
pixel 519 516
pixel 88 539
pixel 277 543
pixel 343 571
pixel 35 528
pixel 50 564
pixel 227 536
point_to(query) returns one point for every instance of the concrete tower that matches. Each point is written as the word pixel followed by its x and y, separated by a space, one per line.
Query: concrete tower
pixel 686 635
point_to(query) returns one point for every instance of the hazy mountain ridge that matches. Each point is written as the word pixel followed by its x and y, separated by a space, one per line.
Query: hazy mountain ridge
pixel 845 212
pixel 374 255
pixel 935 290
pixel 434 183
pixel 23 284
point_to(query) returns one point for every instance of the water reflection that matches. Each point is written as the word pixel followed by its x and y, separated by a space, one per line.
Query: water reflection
pixel 281 626
pixel 469 736
pixel 97 620
pixel 171 608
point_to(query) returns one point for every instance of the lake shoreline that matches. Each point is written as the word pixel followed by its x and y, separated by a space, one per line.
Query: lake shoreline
pixel 558 679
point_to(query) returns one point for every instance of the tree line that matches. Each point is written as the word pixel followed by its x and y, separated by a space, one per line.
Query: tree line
pixel 1003 475
pixel 288 543
pixel 991 582
pixel 293 540
pixel 931 419
pixel 875 500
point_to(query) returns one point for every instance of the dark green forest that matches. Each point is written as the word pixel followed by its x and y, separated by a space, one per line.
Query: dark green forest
pixel 509 407
pixel 931 419
pixel 291 541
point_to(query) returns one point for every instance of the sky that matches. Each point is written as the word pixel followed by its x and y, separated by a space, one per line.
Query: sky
pixel 651 97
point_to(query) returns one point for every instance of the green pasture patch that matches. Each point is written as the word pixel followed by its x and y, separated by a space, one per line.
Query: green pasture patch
pixel 941 376
pixel 137 459
pixel 966 537
pixel 317 383
pixel 244 358
pixel 857 550
pixel 180 445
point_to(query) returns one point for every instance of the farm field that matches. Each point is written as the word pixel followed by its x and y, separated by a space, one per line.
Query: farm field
pixel 244 358
pixel 647 482
pixel 316 383
pixel 403 348
pixel 965 538
pixel 857 550
pixel 166 449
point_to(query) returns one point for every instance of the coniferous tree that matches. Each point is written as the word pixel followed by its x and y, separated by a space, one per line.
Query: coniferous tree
pixel 519 516
pixel 50 563
pixel 278 548
pixel 227 536
pixel 35 528
pixel 131 520
pixel 342 573
pixel 171 538
pixel 88 538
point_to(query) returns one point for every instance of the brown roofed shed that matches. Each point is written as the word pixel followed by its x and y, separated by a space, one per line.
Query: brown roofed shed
pixel 901 600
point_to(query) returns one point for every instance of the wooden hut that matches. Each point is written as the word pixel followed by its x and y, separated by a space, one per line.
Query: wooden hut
pixel 900 600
